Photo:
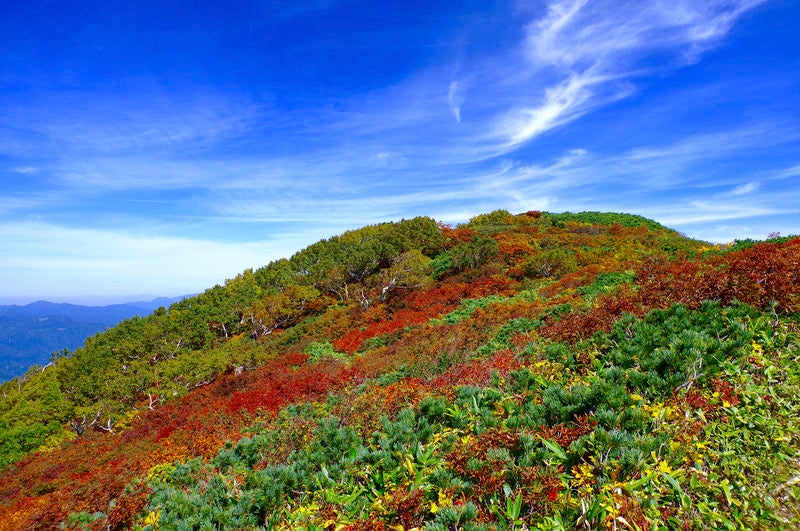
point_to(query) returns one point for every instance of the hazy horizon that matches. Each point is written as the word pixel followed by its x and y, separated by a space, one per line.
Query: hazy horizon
pixel 88 300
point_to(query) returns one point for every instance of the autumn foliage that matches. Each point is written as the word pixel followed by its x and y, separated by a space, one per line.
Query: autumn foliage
pixel 512 370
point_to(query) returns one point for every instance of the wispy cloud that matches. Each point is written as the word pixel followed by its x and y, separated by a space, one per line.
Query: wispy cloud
pixel 741 229
pixel 703 212
pixel 561 103
pixel 455 100
pixel 684 183
pixel 81 123
pixel 575 57
pixel 338 194
pixel 742 138
pixel 144 183
pixel 786 173
pixel 24 170
pixel 66 262
pixel 744 189
pixel 588 53
pixel 13 205
pixel 613 35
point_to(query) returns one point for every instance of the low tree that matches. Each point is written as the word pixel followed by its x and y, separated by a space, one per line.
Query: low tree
pixel 281 310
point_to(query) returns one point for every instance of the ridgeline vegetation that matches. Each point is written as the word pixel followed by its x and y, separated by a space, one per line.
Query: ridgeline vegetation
pixel 531 371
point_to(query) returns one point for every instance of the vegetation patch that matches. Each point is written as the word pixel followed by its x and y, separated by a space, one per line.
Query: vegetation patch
pixel 532 371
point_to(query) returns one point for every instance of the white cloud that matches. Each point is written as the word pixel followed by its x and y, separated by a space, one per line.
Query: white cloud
pixel 611 34
pixel 455 100
pixel 561 103
pixel 745 189
pixel 696 212
pixel 714 145
pixel 25 170
pixel 13 204
pixel 581 54
pixel 441 143
pixel 72 125
pixel 62 261
pixel 751 228
pixel 786 173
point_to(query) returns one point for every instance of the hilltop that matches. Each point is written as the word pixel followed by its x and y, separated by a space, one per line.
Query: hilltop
pixel 539 370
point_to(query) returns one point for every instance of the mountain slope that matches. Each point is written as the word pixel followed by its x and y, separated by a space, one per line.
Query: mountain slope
pixel 539 370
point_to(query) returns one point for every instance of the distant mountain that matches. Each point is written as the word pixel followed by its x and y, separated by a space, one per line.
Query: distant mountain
pixel 149 306
pixel 29 334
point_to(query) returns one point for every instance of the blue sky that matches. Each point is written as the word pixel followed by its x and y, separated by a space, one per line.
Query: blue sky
pixel 158 148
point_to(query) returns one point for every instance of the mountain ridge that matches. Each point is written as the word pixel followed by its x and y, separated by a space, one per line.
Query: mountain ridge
pixel 536 370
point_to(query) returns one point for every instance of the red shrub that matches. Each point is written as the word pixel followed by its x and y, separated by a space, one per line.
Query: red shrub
pixel 573 328
pixel 759 275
